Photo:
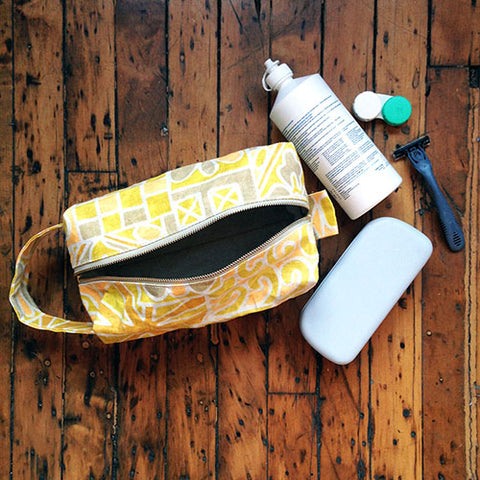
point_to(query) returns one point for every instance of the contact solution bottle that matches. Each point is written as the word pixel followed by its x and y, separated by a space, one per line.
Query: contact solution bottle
pixel 329 140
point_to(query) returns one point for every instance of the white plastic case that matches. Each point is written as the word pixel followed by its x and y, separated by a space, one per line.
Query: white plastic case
pixel 362 287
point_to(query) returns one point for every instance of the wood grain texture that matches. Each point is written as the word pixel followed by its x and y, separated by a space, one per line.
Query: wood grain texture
pixel 142 116
pixel 142 409
pixel 296 40
pixel 472 291
pixel 244 46
pixel 292 451
pixel 242 386
pixel 6 228
pixel 90 394
pixel 90 85
pixel 38 199
pixel 242 399
pixel 88 422
pixel 345 428
pixel 454 33
pixel 97 95
pixel 192 358
pixel 444 294
pixel 396 348
pixel 192 84
pixel 142 75
pixel 345 391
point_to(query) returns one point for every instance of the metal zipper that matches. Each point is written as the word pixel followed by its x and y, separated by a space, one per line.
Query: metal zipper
pixel 200 278
pixel 157 245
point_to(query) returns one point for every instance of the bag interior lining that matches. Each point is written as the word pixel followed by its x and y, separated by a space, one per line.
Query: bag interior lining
pixel 208 250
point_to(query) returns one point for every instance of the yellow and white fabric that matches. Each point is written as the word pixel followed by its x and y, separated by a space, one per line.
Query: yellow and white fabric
pixel 149 214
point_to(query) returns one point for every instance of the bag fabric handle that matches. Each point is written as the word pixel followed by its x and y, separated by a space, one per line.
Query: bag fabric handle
pixel 323 216
pixel 24 305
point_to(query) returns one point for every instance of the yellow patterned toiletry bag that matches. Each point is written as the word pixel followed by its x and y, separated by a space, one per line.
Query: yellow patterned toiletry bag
pixel 205 243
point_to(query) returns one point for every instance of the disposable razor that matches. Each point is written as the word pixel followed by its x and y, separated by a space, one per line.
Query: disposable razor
pixel 415 151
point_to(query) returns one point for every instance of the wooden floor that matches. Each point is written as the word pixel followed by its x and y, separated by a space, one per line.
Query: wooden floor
pixel 99 94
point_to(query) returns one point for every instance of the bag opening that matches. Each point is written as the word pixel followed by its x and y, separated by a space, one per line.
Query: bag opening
pixel 208 250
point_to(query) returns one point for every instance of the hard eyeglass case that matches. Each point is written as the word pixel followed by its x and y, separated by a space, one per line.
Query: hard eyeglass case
pixel 362 287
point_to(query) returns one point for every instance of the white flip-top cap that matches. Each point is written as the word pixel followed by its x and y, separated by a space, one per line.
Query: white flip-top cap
pixel 367 106
pixel 275 74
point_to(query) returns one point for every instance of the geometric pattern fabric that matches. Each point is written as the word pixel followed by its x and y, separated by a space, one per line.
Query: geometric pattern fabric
pixel 156 211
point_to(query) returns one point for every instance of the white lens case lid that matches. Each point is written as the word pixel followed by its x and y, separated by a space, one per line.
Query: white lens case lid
pixel 367 106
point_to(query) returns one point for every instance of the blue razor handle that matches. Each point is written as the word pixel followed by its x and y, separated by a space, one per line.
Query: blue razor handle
pixel 451 229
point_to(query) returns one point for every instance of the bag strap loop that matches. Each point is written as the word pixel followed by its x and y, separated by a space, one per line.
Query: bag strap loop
pixel 323 216
pixel 24 305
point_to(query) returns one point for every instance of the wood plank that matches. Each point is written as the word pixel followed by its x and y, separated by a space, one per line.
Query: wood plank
pixel 192 87
pixel 39 190
pixel 89 373
pixel 344 413
pixel 455 38
pixel 142 153
pixel 142 89
pixel 6 229
pixel 244 49
pixel 242 401
pixel 344 420
pixel 443 282
pixel 292 362
pixel 395 360
pixel 142 409
pixel 296 40
pixel 191 374
pixel 471 282
pixel 292 451
pixel 191 407
pixel 90 83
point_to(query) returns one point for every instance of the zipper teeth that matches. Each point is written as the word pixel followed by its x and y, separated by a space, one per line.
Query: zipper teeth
pixel 201 278
pixel 181 235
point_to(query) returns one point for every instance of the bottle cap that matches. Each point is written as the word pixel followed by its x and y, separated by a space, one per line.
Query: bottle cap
pixel 396 110
pixel 275 74
pixel 367 106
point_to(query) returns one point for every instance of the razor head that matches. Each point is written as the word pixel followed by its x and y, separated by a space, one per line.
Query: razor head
pixel 419 143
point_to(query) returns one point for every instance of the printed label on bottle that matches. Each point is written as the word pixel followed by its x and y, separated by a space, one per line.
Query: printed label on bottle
pixel 327 138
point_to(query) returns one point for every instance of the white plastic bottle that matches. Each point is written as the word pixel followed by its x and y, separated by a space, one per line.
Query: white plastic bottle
pixel 329 140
